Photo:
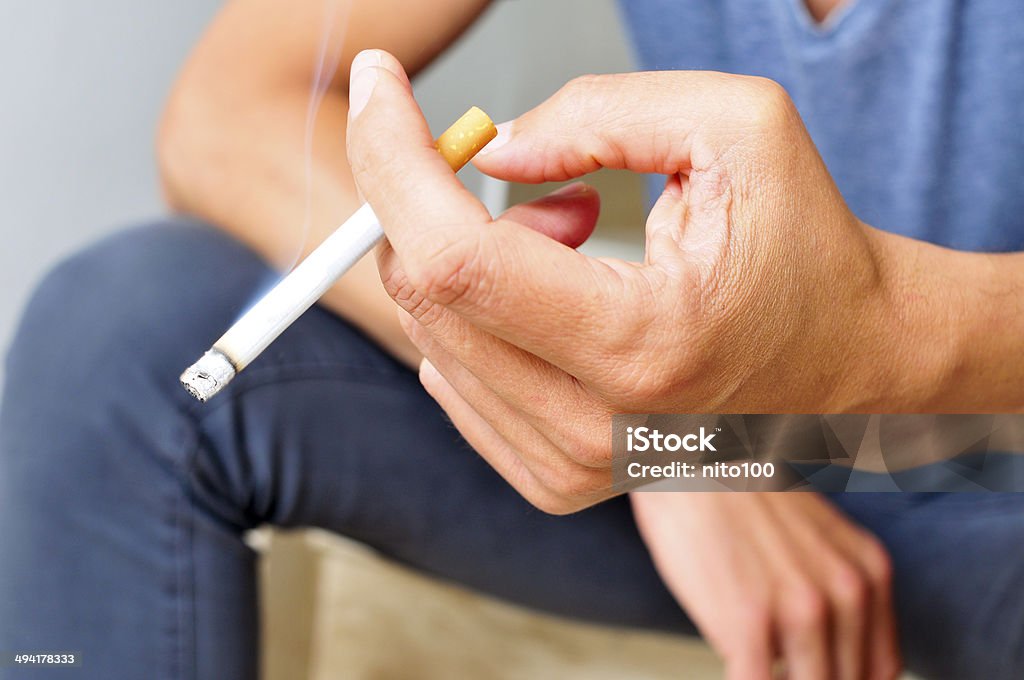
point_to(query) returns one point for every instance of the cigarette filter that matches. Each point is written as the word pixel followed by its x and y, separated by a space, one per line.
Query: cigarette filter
pixel 300 289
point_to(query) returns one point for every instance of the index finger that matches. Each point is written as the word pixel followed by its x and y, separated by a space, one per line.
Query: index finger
pixel 662 122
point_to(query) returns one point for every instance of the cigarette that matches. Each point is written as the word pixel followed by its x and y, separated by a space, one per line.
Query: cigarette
pixel 300 289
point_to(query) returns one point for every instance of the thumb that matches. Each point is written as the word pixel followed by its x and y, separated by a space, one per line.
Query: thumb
pixel 444 248
pixel 394 161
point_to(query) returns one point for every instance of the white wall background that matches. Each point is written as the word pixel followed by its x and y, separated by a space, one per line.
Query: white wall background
pixel 82 85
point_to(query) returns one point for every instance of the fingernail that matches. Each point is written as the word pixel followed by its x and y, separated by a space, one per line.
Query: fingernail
pixel 428 371
pixel 362 79
pixel 574 189
pixel 504 134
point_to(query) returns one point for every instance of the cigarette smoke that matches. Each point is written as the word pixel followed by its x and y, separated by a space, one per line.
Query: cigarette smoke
pixel 332 43
pixel 327 60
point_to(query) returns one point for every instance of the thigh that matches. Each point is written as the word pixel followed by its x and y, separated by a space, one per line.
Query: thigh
pixel 328 431
pixel 959 575
pixel 113 552
pixel 128 500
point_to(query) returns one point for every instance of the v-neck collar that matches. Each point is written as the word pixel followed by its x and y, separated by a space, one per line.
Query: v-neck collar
pixel 846 25
pixel 832 23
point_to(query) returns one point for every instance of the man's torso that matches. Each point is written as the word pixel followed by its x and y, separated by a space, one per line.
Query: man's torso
pixel 916 105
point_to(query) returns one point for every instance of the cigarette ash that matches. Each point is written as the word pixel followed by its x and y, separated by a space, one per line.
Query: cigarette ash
pixel 208 376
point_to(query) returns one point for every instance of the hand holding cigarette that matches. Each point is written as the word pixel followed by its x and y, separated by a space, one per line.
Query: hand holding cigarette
pixel 759 292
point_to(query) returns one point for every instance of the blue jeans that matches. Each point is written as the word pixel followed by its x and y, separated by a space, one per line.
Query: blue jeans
pixel 123 502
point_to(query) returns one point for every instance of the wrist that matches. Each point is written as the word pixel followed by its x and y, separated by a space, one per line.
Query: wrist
pixel 911 341
pixel 885 362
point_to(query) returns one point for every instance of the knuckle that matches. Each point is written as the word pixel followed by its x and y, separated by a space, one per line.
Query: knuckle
pixel 634 363
pixel 768 104
pixel 448 270
pixel 806 608
pixel 849 587
pixel 396 283
pixel 588 105
pixel 650 387
pixel 567 480
pixel 877 562
pixel 756 625
pixel 577 485
pixel 532 489
pixel 582 86
pixel 622 339
pixel 593 451
pixel 758 617
pixel 583 435
pixel 642 384
pixel 405 294
pixel 551 503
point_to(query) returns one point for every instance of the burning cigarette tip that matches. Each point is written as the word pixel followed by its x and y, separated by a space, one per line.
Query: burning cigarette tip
pixel 208 376
pixel 304 285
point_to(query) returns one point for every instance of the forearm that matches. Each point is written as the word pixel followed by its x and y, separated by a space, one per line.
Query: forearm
pixel 247 175
pixel 232 141
pixel 948 331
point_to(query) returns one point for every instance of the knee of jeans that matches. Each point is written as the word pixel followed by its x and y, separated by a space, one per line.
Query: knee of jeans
pixel 140 304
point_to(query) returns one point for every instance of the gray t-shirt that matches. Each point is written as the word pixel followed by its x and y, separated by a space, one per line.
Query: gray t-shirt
pixel 916 105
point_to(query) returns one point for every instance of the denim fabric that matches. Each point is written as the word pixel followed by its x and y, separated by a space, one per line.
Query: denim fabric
pixel 123 502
